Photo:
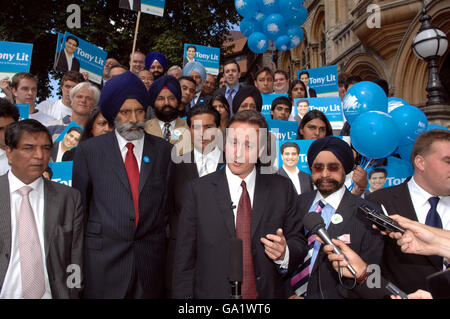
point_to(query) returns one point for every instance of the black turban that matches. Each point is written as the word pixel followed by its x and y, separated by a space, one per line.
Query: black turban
pixel 336 146
pixel 245 92
pixel 167 81
pixel 117 90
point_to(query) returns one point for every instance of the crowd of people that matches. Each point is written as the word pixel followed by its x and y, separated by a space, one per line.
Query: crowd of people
pixel 171 164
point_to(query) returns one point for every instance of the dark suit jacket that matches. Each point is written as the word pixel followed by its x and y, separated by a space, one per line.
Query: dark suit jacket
pixel 125 4
pixel 63 234
pixel 312 92
pixel 61 64
pixel 407 271
pixel 305 180
pixel 117 252
pixel 206 228
pixel 224 90
pixel 365 241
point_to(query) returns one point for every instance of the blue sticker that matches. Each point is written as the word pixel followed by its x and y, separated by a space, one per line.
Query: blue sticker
pixel 146 159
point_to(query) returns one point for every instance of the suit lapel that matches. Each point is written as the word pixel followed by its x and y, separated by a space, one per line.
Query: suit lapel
pixel 146 167
pixel 50 214
pixel 260 196
pixel 152 127
pixel 346 209
pixel 116 160
pixel 5 227
pixel 223 199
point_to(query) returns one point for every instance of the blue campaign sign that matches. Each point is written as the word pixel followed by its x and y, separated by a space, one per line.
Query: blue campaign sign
pixel 330 106
pixel 155 7
pixel 24 111
pixel 82 57
pixel 267 100
pixel 324 80
pixel 209 57
pixel 283 130
pixel 397 171
pixel 63 133
pixel 62 172
pixel 14 57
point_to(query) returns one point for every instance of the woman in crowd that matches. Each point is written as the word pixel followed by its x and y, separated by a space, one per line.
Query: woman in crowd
pixel 220 103
pixel 314 125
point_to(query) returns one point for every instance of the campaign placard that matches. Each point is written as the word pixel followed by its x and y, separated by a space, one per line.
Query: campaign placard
pixel 24 111
pixel 395 172
pixel 267 100
pixel 209 57
pixel 323 80
pixel 330 106
pixel 155 7
pixel 283 130
pixel 68 127
pixel 76 54
pixel 62 172
pixel 14 57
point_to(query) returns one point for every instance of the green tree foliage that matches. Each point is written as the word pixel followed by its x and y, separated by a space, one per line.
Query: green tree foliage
pixel 103 23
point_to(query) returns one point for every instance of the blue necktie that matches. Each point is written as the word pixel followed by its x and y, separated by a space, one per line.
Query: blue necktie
pixel 434 220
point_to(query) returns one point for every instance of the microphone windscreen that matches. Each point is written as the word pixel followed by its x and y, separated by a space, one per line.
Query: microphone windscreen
pixel 236 269
pixel 312 220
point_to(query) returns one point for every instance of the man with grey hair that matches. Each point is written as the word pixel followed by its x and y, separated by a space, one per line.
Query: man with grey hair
pixel 175 71
pixel 84 96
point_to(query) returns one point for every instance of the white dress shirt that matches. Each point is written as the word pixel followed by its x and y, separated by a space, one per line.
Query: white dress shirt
pixel 69 60
pixel 212 159
pixel 137 150
pixel 171 127
pixel 4 165
pixel 12 285
pixel 234 185
pixel 294 179
pixel 420 197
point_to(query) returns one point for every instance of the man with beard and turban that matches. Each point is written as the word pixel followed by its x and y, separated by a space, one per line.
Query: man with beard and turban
pixel 125 180
pixel 197 71
pixel 330 159
pixel 165 97
pixel 247 98
pixel 156 63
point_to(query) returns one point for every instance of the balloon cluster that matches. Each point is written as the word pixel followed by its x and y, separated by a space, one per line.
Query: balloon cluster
pixel 381 127
pixel 279 21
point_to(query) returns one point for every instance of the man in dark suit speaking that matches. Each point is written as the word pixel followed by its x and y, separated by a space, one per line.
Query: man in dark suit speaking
pixel 238 201
pixel 41 222
pixel 124 180
pixel 66 59
pixel 134 5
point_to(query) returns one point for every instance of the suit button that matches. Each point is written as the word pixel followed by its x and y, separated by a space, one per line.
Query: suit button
pixel 7 255
pixel 132 220
pixel 258 278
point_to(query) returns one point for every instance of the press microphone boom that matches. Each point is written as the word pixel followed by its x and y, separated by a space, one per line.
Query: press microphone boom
pixel 315 225
pixel 236 268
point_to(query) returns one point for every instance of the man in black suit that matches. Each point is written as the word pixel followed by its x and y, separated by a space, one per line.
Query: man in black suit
pixel 424 198
pixel 304 77
pixel 66 59
pixel 41 222
pixel 124 178
pixel 290 154
pixel 206 157
pixel 330 159
pixel 221 206
pixel 134 5
pixel 231 74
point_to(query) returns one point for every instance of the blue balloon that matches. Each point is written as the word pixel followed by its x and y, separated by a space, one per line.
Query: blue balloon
pixel 374 134
pixel 274 26
pixel 259 17
pixel 269 7
pixel 411 122
pixel 363 97
pixel 248 26
pixel 436 127
pixel 295 34
pixel 246 8
pixel 405 151
pixel 296 16
pixel 395 102
pixel 258 42
pixel 283 43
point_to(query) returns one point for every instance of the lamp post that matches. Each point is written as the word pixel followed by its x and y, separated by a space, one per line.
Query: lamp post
pixel 430 44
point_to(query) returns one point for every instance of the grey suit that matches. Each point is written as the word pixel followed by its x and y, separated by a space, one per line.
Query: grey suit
pixel 304 179
pixel 63 234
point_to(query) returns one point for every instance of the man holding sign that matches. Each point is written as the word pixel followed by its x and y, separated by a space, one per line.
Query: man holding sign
pixel 66 60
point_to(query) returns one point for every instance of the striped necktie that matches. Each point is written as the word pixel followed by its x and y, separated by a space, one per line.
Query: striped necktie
pixel 300 278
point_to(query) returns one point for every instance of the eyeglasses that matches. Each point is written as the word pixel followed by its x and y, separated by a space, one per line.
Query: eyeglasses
pixel 332 167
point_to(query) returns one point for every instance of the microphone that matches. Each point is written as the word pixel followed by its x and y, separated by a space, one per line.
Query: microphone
pixel 236 270
pixel 315 224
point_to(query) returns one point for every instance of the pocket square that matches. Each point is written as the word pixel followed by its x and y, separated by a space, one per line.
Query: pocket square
pixel 345 238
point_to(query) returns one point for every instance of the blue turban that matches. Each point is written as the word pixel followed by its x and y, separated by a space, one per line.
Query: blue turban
pixel 195 66
pixel 335 145
pixel 167 81
pixel 152 56
pixel 117 90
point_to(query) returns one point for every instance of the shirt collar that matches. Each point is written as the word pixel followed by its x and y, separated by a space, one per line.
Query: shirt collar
pixel 418 194
pixel 213 154
pixel 333 200
pixel 123 142
pixel 172 125
pixel 15 183
pixel 2 153
pixel 235 88
pixel 235 181
pixel 291 174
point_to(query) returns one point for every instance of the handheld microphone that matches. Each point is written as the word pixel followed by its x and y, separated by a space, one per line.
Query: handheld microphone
pixel 315 224
pixel 236 269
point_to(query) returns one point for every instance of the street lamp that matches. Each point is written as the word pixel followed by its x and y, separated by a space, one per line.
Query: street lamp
pixel 430 44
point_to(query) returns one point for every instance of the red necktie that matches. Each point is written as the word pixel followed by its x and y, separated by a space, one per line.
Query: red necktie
pixel 132 168
pixel 243 223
